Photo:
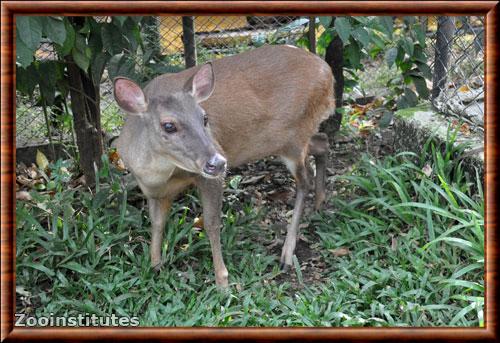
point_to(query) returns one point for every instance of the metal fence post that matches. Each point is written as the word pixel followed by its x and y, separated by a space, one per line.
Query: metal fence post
pixel 189 42
pixel 444 36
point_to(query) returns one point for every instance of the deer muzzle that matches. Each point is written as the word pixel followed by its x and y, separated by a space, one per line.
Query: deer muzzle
pixel 215 166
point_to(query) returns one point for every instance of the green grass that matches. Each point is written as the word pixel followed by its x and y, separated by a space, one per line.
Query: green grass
pixel 416 256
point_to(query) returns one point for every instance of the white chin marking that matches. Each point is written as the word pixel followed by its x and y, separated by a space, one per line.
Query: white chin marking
pixel 209 176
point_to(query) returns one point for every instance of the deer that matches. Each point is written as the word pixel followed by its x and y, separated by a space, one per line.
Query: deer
pixel 186 129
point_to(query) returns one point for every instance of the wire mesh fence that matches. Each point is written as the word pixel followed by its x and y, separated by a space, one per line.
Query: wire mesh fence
pixel 458 85
pixel 458 78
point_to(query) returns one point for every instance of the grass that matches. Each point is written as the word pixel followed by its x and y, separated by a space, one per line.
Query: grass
pixel 413 226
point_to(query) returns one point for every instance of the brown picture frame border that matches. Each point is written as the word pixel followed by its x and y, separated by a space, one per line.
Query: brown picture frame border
pixel 11 8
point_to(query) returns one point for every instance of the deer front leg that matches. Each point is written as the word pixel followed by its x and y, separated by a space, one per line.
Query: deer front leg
pixel 158 209
pixel 211 199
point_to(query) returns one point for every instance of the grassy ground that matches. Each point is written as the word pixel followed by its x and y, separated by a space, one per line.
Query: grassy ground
pixel 399 243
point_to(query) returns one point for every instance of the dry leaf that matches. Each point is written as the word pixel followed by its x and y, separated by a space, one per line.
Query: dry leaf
pixel 252 180
pixel 394 243
pixel 115 159
pixel 24 196
pixel 465 129
pixel 41 160
pixel 427 170
pixel 464 88
pixel 198 222
pixel 342 251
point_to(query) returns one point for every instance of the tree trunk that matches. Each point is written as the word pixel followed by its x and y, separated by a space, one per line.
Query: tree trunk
pixel 189 42
pixel 335 58
pixel 86 119
pixel 444 35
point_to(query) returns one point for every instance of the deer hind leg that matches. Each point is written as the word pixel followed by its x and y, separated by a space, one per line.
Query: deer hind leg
pixel 318 147
pixel 299 170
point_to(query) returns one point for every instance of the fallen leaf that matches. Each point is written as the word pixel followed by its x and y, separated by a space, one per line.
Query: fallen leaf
pixel 427 170
pixel 282 195
pixel 465 129
pixel 342 251
pixel 41 160
pixel 252 180
pixel 394 243
pixel 464 88
pixel 23 196
pixel 198 222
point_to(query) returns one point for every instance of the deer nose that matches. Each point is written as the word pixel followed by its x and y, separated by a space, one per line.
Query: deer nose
pixel 216 165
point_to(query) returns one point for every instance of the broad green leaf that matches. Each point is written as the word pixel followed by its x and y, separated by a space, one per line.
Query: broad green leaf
pixel 425 70
pixel 80 59
pixel 48 78
pixel 325 21
pixel 409 20
pixel 421 86
pixel 390 56
pixel 362 36
pixel 386 119
pixel 387 24
pixel 343 28
pixel 69 42
pixel 55 30
pixel 411 97
pixel 97 66
pixel 119 20
pixel 353 54
pixel 24 55
pixel 418 54
pixel 80 43
pixel 114 65
pixel 26 80
pixel 29 29
pixel 419 32
pixel 407 46
pixel 112 39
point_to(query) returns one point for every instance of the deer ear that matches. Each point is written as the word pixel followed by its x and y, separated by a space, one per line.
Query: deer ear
pixel 202 83
pixel 129 96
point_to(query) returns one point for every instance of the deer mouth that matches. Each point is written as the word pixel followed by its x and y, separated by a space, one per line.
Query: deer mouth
pixel 214 167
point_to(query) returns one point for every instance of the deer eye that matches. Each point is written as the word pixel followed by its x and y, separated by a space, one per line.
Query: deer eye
pixel 169 127
pixel 205 120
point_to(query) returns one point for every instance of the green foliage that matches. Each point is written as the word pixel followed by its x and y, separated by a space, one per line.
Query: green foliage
pixel 415 226
pixel 367 37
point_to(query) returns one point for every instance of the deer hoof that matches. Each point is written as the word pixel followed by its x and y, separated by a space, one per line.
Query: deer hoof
pixel 157 267
pixel 285 268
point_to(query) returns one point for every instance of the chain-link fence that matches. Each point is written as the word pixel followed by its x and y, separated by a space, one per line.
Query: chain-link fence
pixel 458 68
pixel 456 52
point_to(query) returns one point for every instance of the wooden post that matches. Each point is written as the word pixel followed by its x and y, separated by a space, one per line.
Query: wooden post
pixel 189 42
pixel 312 34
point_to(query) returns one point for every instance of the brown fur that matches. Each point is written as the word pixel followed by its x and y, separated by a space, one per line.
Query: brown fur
pixel 267 101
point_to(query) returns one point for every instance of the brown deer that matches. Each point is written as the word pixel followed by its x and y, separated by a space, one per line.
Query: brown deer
pixel 185 129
